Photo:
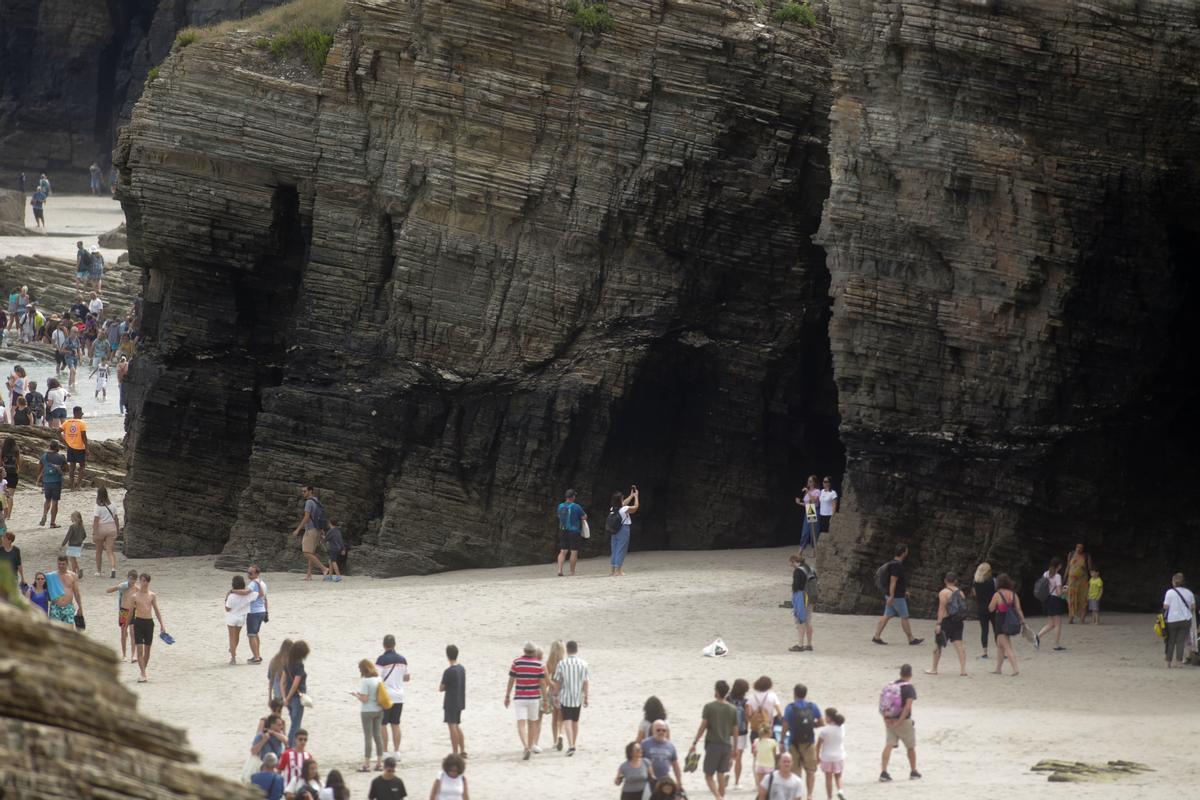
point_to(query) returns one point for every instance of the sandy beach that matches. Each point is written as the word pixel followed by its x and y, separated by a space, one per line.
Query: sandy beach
pixel 1107 697
pixel 69 219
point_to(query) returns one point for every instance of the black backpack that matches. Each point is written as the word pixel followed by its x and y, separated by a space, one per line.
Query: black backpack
pixel 317 517
pixel 804 730
pixel 956 607
pixel 612 524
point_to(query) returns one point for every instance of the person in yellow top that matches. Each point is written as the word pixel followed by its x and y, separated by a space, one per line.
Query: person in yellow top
pixel 1095 591
pixel 74 434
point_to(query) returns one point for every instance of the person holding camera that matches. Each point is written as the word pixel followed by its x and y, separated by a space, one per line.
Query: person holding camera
pixel 618 525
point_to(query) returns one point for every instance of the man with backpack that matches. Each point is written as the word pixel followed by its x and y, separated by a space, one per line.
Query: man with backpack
pixel 891 580
pixel 570 530
pixel 83 268
pixel 802 717
pixel 313 523
pixel 951 614
pixel 895 706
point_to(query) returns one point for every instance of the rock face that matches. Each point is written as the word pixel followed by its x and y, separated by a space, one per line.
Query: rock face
pixel 50 751
pixel 115 238
pixel 475 264
pixel 1011 233
pixel 51 283
pixel 71 70
pixel 12 213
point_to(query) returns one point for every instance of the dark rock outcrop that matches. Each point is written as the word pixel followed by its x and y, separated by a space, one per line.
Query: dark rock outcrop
pixel 485 258
pixel 12 213
pixel 115 239
pixel 1012 234
pixel 53 751
pixel 71 70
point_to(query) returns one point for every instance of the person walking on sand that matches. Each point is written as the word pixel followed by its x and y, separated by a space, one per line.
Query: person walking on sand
pixel 1179 611
pixel 74 435
pixel 106 527
pixel 801 613
pixel 895 706
pixel 895 601
pixel 237 608
pixel 313 523
pixel 454 700
pixel 570 530
pixel 295 755
pixel 38 203
pixel 620 526
pixel 782 783
pixel 831 752
pixel 660 752
pixel 528 676
pixel 67 600
pixel 393 671
pixel 633 776
pixel 387 786
pixel 277 671
pixel 11 555
pixel 801 719
pixel 258 612
pixel 762 705
pixel 371 714
pixel 145 609
pixel 1004 610
pixel 984 586
pixel 718 726
pixel 571 682
pixel 72 543
pixel 551 702
pixel 1095 592
pixel 295 679
pixel 50 477
pixel 737 699
pixel 1054 605
pixel 951 616
pixel 335 545
pixel 122 590
pixel 451 783
pixel 1079 567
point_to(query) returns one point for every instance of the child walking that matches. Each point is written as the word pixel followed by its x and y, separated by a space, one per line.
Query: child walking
pixel 101 373
pixel 831 751
pixel 121 588
pixel 766 754
pixel 1095 592
pixel 73 542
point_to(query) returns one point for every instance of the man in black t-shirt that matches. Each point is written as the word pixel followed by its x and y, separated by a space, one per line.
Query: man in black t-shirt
pixel 895 602
pixel 454 685
pixel 387 786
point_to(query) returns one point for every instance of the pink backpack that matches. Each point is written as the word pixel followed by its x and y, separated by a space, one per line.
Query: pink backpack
pixel 890 701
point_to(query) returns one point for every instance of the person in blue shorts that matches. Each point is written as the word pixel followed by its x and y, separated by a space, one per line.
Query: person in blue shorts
pixel 895 602
pixel 570 530
pixel 801 574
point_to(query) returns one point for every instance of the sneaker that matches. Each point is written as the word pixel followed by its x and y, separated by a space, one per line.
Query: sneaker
pixel 841 795
pixel 1059 647
pixel 337 578
pixel 915 641
pixel 112 573
pixel 914 775
pixel 253 660
pixel 97 575
pixel 984 655
pixel 884 777
pixel 570 751
pixel 877 640
pixel 526 756
pixel 535 749
pixel 327 578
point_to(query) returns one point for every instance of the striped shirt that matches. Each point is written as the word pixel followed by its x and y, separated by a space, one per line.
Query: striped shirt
pixel 571 674
pixel 528 672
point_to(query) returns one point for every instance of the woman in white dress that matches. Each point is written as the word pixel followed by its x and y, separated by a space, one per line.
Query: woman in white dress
pixel 237 606
pixel 451 784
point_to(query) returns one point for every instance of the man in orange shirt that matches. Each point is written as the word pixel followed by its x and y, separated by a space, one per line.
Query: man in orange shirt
pixel 74 433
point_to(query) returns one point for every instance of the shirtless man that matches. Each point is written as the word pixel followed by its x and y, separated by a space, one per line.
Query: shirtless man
pixel 145 608
pixel 70 602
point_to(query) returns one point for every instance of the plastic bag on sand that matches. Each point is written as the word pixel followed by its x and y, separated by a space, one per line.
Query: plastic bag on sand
pixel 1027 634
pixel 716 649
pixel 252 765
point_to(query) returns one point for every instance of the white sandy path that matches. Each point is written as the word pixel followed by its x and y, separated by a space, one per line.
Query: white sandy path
pixel 1108 697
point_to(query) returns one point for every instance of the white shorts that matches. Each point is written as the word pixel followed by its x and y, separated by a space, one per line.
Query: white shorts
pixel 743 742
pixel 527 709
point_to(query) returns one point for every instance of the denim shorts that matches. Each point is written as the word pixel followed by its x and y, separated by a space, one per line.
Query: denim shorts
pixel 898 608
pixel 254 621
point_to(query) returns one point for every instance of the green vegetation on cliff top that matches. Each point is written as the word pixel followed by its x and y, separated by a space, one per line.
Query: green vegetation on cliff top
pixel 588 16
pixel 301 29
pixel 802 12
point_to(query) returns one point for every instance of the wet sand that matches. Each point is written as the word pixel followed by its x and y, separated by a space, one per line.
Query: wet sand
pixel 1107 697
pixel 69 218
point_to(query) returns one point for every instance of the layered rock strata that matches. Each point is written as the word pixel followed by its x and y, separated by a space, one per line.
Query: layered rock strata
pixel 485 257
pixel 12 213
pixel 1011 233
pixel 51 751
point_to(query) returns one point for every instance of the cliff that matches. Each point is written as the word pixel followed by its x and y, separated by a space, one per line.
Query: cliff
pixel 1011 233
pixel 486 256
pixel 51 751
pixel 71 70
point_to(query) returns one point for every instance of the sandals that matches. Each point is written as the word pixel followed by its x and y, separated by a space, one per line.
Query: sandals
pixel 796 648
pixel 364 768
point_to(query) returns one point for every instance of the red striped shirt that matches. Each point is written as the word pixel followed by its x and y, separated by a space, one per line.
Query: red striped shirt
pixel 529 673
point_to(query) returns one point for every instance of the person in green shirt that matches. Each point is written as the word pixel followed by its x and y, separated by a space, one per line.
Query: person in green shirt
pixel 718 726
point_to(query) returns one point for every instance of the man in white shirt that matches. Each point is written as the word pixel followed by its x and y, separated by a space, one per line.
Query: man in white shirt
pixel 781 784
pixel 1179 609
pixel 96 306
pixel 393 671
pixel 571 680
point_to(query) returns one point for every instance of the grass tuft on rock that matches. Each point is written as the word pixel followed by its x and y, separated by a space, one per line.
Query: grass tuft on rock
pixel 186 36
pixel 301 29
pixel 590 17
pixel 802 12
